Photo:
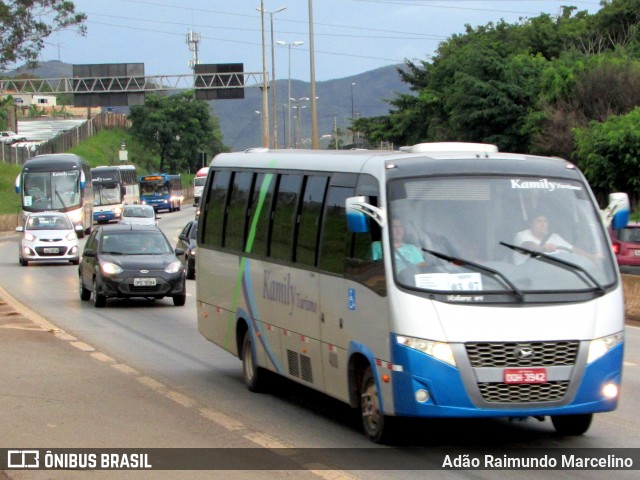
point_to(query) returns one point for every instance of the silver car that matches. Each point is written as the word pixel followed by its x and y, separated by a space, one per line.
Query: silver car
pixel 138 215
pixel 47 237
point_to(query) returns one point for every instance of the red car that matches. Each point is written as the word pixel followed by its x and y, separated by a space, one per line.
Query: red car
pixel 626 246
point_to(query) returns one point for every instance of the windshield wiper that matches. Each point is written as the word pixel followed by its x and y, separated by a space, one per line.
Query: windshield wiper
pixel 480 269
pixel 564 264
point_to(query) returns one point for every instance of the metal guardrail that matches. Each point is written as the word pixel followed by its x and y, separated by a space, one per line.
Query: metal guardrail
pixel 135 84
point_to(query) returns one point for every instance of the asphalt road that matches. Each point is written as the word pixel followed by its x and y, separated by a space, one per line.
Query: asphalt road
pixel 138 374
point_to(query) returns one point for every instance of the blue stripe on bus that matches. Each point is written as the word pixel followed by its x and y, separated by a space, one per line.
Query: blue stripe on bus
pixel 254 316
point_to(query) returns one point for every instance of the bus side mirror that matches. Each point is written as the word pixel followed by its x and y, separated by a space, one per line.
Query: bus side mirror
pixel 18 184
pixel 617 212
pixel 83 181
pixel 359 212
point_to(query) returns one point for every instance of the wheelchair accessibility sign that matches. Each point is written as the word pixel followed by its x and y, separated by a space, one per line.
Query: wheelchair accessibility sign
pixel 351 298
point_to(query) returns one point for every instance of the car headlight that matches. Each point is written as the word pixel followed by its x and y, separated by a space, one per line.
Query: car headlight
pixel 439 350
pixel 30 237
pixel 599 346
pixel 173 267
pixel 109 268
pixel 71 236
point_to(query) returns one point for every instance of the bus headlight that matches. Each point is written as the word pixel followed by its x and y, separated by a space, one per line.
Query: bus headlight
pixel 599 346
pixel 75 216
pixel 109 268
pixel 439 350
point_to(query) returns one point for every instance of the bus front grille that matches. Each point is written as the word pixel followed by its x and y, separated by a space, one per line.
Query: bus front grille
pixel 523 393
pixel 522 354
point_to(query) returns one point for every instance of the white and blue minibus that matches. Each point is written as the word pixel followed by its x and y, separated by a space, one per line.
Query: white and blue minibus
pixel 396 281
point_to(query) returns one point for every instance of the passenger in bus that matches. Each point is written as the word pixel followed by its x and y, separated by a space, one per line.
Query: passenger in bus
pixel 539 238
pixel 406 255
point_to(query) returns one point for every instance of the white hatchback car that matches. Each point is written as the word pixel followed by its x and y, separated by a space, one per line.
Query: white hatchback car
pixel 47 237
pixel 138 215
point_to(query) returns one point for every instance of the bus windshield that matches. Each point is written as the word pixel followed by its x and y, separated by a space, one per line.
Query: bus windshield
pixel 497 234
pixel 154 188
pixel 107 194
pixel 55 190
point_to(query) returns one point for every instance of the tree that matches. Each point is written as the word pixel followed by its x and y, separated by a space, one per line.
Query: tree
pixel 609 154
pixel 177 128
pixel 25 24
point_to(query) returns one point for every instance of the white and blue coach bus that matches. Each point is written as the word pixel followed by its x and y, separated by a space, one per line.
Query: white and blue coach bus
pixel 300 273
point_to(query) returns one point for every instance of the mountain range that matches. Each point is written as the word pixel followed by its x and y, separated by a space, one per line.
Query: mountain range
pixel 338 100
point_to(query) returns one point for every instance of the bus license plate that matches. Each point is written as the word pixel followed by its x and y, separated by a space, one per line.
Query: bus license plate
pixel 51 250
pixel 525 375
pixel 144 282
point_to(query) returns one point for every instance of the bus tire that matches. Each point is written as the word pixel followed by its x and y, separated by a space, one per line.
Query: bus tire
pixel 378 427
pixel 252 374
pixel 571 425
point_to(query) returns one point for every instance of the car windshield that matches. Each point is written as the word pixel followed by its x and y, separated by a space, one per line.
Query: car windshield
pixel 135 243
pixel 138 212
pixel 498 235
pixel 48 222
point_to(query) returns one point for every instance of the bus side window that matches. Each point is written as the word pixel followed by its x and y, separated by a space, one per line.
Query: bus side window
pixel 364 260
pixel 215 215
pixel 284 217
pixel 261 200
pixel 335 237
pixel 310 218
pixel 238 198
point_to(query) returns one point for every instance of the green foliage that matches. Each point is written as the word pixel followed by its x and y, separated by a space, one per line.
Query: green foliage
pixel 9 199
pixel 177 128
pixel 103 149
pixel 609 154
pixel 24 26
pixel 564 85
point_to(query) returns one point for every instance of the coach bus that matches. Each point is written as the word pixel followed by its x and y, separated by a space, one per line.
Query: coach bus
pixel 162 191
pixel 60 182
pixel 305 269
pixel 113 187
pixel 198 184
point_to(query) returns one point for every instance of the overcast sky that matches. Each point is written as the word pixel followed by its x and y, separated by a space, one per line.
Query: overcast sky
pixel 350 36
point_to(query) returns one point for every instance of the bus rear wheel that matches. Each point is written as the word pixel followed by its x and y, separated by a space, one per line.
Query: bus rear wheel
pixel 254 376
pixel 377 426
pixel 572 424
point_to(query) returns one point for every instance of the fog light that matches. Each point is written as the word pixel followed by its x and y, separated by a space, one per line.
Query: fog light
pixel 610 390
pixel 27 251
pixel 422 396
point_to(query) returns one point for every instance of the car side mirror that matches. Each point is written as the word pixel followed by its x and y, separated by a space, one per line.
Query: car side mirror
pixel 179 251
pixel 91 253
pixel 19 229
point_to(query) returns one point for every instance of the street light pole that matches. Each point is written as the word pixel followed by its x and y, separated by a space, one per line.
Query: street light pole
pixel 292 44
pixel 273 71
pixel 352 114
pixel 265 101
pixel 312 64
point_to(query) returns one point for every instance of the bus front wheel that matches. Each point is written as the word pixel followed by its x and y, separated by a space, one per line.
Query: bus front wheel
pixel 377 426
pixel 572 424
pixel 253 375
